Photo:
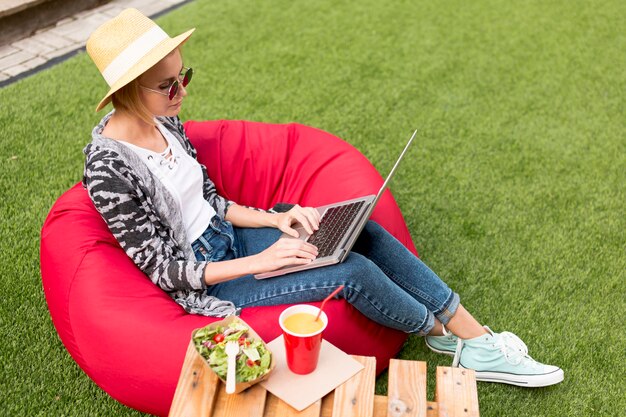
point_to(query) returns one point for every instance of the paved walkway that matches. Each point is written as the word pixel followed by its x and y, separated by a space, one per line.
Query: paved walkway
pixel 57 43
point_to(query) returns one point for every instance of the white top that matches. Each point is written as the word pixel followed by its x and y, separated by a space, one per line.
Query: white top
pixel 182 176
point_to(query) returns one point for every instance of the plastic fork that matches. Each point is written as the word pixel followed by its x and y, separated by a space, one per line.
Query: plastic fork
pixel 231 349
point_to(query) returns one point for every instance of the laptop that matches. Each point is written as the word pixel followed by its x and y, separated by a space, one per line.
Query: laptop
pixel 340 226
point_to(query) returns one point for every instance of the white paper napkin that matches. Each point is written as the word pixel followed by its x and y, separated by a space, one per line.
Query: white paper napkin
pixel 300 391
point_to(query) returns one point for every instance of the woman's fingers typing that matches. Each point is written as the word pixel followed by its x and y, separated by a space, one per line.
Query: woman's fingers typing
pixel 297 247
pixel 308 217
pixel 287 251
pixel 314 217
pixel 306 222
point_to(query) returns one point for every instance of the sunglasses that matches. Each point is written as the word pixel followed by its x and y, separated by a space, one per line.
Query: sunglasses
pixel 186 74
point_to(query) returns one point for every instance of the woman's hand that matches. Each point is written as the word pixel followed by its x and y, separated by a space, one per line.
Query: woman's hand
pixel 308 217
pixel 284 252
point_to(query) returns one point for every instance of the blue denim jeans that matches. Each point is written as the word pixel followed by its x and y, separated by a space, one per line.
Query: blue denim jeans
pixel 217 243
pixel 383 280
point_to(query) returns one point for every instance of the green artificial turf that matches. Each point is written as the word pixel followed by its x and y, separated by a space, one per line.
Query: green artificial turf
pixel 514 192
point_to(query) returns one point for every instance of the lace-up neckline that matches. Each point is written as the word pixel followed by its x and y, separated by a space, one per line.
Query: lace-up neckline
pixel 168 158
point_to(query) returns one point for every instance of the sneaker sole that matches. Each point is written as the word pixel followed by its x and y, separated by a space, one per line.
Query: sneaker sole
pixel 445 352
pixel 520 380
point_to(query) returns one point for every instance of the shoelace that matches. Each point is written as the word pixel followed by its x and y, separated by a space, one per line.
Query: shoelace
pixel 513 348
pixel 447 334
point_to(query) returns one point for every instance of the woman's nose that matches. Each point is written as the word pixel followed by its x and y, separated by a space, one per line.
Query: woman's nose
pixel 182 91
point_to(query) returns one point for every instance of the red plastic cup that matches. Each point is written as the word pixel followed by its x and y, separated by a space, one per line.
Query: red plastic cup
pixel 303 350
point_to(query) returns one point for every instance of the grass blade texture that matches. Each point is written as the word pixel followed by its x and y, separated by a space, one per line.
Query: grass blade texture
pixel 514 192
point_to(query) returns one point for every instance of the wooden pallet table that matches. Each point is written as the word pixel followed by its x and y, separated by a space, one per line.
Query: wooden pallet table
pixel 200 393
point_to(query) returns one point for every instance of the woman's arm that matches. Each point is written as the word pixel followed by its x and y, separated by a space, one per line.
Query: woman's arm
pixel 308 217
pixel 241 216
pixel 115 192
pixel 285 251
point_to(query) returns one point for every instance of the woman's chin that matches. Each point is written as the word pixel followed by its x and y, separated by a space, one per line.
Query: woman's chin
pixel 172 111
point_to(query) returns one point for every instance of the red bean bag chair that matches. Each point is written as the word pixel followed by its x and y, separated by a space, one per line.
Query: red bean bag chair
pixel 128 335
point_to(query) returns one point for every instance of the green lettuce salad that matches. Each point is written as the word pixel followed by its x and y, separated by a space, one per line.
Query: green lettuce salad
pixel 253 360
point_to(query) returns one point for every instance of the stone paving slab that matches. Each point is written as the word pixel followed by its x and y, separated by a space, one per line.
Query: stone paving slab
pixel 15 58
pixel 49 38
pixel 26 56
pixel 34 45
pixel 6 50
pixel 28 65
pixel 14 6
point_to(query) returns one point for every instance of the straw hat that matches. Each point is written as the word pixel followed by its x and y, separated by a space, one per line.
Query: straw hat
pixel 127 46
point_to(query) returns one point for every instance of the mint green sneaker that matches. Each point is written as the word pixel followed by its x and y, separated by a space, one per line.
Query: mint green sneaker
pixel 503 357
pixel 445 344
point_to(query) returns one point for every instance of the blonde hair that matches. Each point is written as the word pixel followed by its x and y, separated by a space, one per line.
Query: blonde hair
pixel 128 99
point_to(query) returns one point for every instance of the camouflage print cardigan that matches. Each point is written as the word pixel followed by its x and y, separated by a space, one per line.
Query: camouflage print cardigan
pixel 146 221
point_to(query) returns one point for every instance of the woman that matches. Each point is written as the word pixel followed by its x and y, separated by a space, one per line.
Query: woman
pixel 142 176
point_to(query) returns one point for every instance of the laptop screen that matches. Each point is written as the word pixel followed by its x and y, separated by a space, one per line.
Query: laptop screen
pixel 393 170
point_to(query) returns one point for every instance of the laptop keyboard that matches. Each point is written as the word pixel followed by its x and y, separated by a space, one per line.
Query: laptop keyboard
pixel 333 227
